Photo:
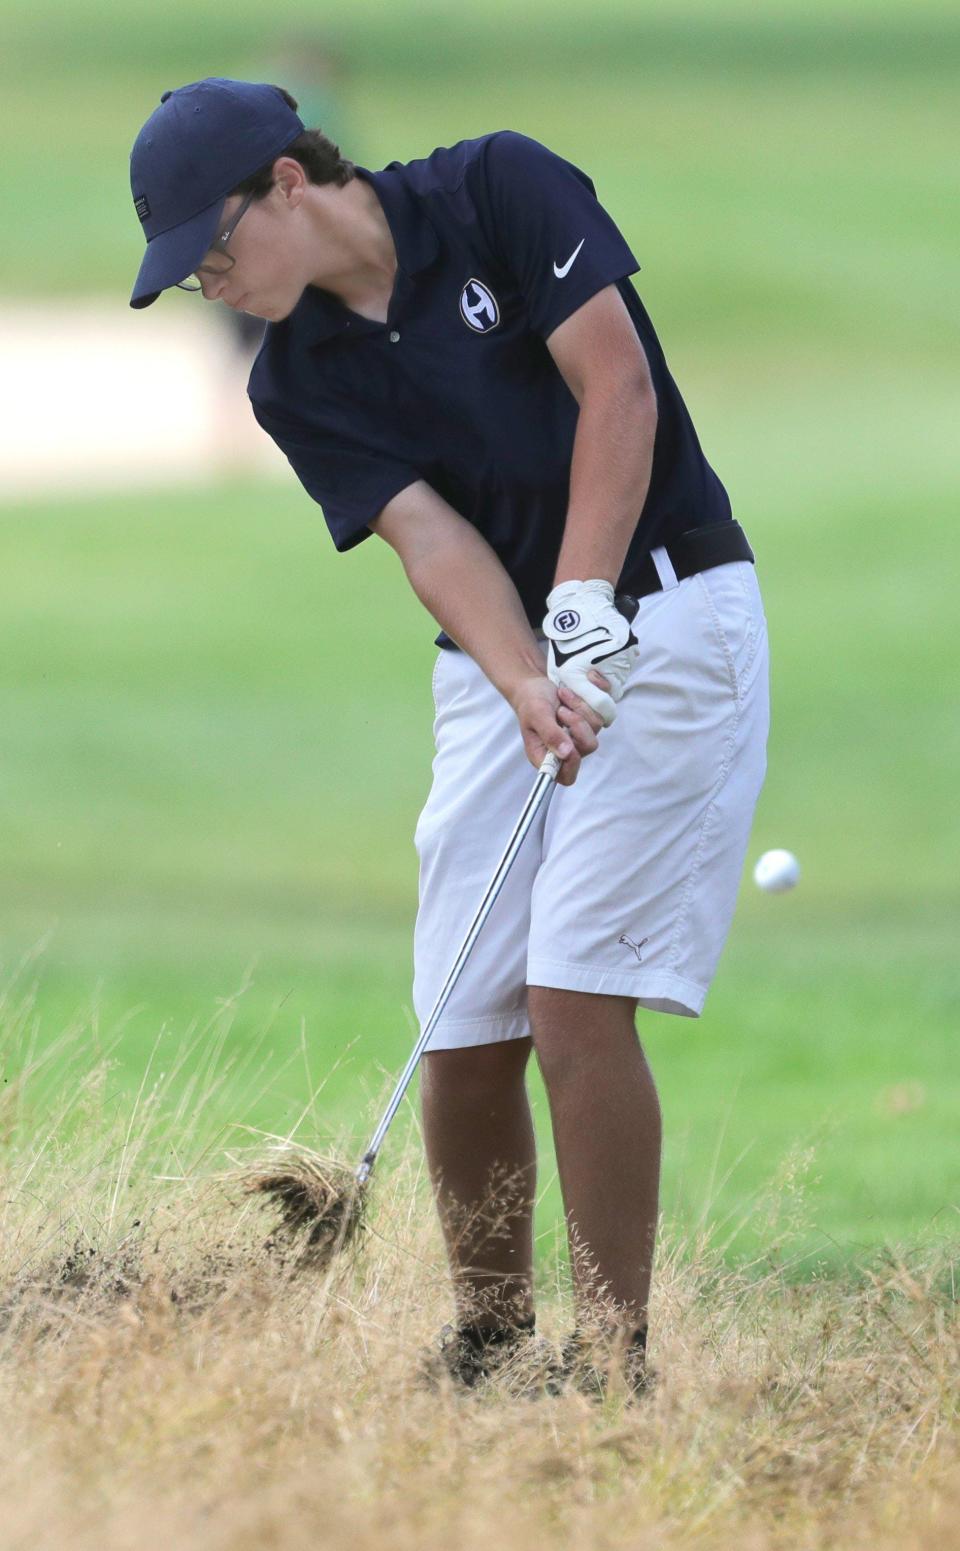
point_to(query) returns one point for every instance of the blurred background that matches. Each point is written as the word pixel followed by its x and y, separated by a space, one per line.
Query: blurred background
pixel 207 808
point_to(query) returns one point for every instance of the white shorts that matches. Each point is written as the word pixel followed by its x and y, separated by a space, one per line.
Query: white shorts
pixel 627 885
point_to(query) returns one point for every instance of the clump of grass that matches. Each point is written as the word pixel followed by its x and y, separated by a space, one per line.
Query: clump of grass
pixel 321 1204
pixel 176 1379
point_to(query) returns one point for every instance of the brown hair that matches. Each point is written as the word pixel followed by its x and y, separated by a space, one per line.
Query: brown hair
pixel 316 153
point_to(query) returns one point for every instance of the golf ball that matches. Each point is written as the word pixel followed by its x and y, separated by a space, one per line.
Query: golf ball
pixel 776 871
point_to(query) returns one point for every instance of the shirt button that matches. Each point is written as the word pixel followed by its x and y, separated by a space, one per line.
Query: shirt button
pixel 394 336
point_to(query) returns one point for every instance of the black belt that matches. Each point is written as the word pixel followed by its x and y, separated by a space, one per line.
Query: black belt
pixel 696 550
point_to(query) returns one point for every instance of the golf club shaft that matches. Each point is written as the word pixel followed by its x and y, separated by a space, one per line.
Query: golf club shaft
pixel 542 789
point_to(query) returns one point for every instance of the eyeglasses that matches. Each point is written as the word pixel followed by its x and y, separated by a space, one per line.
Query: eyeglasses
pixel 218 261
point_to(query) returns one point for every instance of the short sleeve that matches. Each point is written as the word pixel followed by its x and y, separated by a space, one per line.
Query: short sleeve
pixel 352 483
pixel 550 230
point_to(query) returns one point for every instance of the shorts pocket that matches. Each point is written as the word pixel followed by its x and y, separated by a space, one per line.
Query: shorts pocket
pixel 456 681
pixel 731 597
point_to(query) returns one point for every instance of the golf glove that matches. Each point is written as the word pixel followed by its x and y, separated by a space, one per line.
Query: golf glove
pixel 586 628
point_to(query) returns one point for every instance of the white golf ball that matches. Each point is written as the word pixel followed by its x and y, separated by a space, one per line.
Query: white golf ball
pixel 776 871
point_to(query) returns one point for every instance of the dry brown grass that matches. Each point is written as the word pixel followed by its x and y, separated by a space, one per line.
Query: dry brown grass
pixel 170 1377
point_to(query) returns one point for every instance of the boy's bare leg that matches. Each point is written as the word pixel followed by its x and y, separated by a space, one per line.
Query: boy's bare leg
pixel 481 1153
pixel 607 1134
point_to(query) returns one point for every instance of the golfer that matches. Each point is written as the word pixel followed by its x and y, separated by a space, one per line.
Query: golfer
pixel 457 362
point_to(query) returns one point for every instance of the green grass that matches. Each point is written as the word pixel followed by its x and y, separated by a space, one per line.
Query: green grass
pixel 432 36
pixel 763 177
pixel 204 801
pixel 204 795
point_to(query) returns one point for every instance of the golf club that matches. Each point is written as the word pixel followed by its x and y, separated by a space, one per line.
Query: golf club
pixel 542 789
pixel 322 1202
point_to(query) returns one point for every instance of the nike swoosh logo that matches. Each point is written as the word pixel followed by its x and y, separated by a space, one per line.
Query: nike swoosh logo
pixel 564 269
pixel 584 646
pixel 562 657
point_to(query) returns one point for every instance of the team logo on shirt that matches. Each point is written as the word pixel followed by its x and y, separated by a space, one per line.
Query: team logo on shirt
pixel 478 307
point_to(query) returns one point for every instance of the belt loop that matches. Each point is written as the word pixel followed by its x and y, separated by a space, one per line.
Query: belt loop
pixel 664 566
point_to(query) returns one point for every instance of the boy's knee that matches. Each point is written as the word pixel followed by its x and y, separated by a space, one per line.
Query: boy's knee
pixel 572 1029
pixel 476 1072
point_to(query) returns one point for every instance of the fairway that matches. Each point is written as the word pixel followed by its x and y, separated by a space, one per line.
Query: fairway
pixel 209 804
pixel 203 800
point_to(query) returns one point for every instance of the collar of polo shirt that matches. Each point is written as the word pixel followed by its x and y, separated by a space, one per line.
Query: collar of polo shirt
pixel 414 237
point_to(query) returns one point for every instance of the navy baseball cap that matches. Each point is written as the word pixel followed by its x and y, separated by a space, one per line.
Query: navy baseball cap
pixel 189 156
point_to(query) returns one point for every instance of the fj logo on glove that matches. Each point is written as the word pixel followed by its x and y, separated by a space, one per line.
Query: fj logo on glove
pixel 595 634
pixel 567 621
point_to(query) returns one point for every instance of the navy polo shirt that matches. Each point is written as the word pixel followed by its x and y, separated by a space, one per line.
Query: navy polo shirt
pixel 498 241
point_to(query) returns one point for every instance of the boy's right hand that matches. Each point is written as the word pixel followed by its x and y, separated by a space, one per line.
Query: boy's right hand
pixel 555 720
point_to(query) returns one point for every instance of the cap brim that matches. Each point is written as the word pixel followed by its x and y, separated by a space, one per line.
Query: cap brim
pixel 173 255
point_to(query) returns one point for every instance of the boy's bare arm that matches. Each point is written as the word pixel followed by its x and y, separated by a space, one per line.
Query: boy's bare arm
pixel 600 357
pixel 462 583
